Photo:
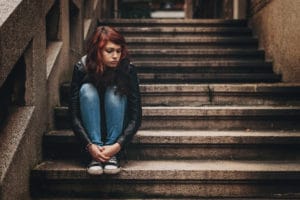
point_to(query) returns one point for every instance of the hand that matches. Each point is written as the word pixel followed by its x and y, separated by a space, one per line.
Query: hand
pixel 111 150
pixel 97 153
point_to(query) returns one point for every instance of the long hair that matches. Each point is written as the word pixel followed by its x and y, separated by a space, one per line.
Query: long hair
pixel 97 42
pixel 94 61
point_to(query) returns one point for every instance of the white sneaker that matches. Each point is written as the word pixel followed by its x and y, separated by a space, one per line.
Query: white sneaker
pixel 112 166
pixel 95 168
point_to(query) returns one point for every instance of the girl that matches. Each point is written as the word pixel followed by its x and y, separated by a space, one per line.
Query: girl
pixel 105 100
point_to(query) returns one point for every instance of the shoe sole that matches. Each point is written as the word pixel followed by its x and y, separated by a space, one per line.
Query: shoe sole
pixel 112 171
pixel 95 172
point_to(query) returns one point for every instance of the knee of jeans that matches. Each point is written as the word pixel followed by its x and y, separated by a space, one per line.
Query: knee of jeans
pixel 114 96
pixel 88 91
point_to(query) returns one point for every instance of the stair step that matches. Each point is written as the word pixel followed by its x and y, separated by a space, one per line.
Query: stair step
pixel 204 66
pixel 195 55
pixel 222 117
pixel 191 42
pixel 187 31
pixel 173 22
pixel 161 67
pixel 209 117
pixel 220 94
pixel 176 144
pixel 162 198
pixel 212 94
pixel 208 78
pixel 194 51
pixel 180 178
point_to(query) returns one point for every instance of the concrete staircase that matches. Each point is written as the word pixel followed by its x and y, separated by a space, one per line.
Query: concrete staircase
pixel 217 122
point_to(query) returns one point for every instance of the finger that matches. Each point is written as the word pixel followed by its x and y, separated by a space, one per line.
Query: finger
pixel 108 154
pixel 100 158
pixel 103 156
pixel 101 148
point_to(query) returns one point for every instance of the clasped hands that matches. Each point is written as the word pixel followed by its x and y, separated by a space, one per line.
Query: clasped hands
pixel 103 154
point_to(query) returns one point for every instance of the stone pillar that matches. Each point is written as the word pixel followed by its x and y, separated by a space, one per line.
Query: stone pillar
pixel 239 9
pixel 228 9
pixel 188 9
pixel 116 9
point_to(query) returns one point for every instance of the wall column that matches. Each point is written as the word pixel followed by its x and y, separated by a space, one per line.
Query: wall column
pixel 188 9
pixel 239 9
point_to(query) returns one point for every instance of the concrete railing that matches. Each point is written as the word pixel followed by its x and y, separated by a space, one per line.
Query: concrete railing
pixel 39 43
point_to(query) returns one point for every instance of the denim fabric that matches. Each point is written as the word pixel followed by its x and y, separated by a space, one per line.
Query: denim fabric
pixel 114 109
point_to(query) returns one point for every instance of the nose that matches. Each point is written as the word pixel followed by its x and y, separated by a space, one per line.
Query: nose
pixel 115 55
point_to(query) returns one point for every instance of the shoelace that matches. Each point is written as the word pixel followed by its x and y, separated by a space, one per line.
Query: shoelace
pixel 113 160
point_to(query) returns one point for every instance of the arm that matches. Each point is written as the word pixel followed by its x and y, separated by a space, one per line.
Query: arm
pixel 134 110
pixel 74 106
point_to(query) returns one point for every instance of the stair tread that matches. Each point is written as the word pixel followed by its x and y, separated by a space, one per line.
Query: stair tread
pixel 190 39
pixel 293 88
pixel 197 133
pixel 199 76
pixel 199 137
pixel 162 198
pixel 209 117
pixel 244 88
pixel 226 107
pixel 217 137
pixel 179 170
pixel 210 63
pixel 227 85
pixel 213 107
pixel 175 21
pixel 219 110
pixel 195 51
pixel 219 62
pixel 219 85
pixel 163 29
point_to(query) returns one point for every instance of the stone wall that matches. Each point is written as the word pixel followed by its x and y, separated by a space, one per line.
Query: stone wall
pixel 277 26
pixel 45 38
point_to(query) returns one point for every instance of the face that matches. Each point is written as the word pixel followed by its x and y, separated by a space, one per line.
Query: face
pixel 111 54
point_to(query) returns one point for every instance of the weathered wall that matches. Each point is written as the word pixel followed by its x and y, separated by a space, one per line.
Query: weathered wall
pixel 22 35
pixel 277 25
pixel 49 45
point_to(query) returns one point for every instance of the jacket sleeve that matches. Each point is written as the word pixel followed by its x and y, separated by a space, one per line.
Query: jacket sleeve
pixel 134 110
pixel 74 106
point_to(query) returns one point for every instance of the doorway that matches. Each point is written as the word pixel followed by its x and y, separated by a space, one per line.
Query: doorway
pixel 213 9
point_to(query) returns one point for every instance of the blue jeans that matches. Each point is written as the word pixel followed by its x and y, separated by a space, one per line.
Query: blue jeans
pixel 114 109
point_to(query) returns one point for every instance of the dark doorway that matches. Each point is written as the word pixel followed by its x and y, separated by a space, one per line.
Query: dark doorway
pixel 213 9
pixel 151 8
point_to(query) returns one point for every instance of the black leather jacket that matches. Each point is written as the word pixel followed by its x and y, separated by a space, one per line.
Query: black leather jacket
pixel 133 112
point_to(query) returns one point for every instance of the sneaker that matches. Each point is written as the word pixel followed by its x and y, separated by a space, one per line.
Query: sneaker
pixel 95 168
pixel 112 166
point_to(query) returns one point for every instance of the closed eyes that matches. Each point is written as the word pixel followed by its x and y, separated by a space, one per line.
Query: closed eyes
pixel 111 50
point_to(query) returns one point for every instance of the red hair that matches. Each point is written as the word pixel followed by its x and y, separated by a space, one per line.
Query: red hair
pixel 97 42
